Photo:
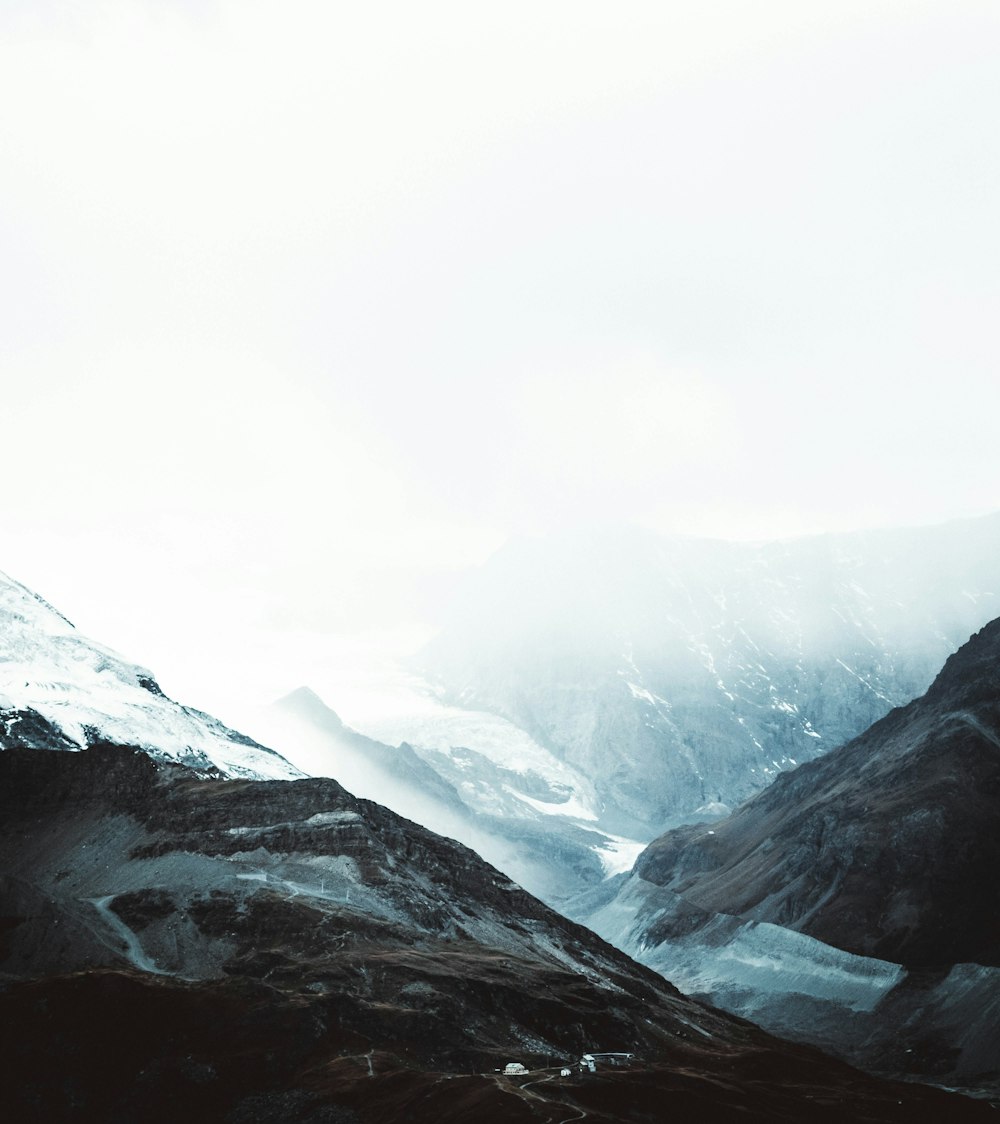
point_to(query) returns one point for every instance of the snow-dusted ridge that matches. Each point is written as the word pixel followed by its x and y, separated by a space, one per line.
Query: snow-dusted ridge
pixel 87 692
pixel 673 673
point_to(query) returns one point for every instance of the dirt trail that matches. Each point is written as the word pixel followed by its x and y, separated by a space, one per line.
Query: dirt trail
pixel 133 948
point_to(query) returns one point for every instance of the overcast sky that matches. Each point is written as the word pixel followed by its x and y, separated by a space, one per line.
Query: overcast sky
pixel 308 305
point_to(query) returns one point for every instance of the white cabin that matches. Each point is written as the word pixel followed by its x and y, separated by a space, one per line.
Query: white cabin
pixel 590 1062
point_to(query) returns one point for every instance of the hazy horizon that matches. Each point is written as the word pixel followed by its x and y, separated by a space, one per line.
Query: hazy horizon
pixel 308 309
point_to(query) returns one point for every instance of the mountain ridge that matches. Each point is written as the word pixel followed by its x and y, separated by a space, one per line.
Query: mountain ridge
pixel 265 951
pixel 703 668
pixel 59 688
pixel 853 903
pixel 921 784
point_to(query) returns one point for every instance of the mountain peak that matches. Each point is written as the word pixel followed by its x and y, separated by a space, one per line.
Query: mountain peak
pixel 304 703
pixel 58 688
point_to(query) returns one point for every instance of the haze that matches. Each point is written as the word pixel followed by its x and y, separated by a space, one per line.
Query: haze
pixel 309 307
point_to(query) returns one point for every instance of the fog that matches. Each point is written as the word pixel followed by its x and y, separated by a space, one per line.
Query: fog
pixel 311 736
pixel 308 308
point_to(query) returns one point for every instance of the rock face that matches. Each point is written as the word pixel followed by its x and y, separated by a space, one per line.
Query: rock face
pixel 59 690
pixel 680 676
pixel 262 951
pixel 886 848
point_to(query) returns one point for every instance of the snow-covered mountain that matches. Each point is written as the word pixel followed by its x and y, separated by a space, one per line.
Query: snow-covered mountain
pixel 247 904
pixel 854 903
pixel 60 690
pixel 680 676
pixel 473 776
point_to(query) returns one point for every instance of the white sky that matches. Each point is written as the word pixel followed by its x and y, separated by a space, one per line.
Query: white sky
pixel 307 305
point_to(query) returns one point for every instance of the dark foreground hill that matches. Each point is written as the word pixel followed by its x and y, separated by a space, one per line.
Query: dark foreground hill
pixel 243 951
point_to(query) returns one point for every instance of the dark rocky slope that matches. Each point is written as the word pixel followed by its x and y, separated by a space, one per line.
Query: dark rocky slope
pixel 888 847
pixel 260 951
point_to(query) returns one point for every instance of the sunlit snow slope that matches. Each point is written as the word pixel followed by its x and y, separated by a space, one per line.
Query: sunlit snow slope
pixel 59 689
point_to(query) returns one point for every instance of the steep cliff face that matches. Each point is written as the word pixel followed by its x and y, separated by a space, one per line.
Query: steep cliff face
pixel 680 675
pixel 887 849
pixel 60 690
pixel 265 951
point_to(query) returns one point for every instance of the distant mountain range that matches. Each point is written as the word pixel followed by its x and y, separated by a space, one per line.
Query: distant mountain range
pixel 61 690
pixel 681 676
pixel 596 688
pixel 634 681
pixel 497 810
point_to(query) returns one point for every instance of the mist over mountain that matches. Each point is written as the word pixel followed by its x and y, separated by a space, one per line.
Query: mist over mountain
pixel 499 810
pixel 680 676
pixel 526 812
pixel 887 849
pixel 251 950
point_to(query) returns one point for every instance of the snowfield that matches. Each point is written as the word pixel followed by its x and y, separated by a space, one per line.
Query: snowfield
pixel 89 693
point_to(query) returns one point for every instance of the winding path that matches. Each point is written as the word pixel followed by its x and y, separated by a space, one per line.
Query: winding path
pixel 133 949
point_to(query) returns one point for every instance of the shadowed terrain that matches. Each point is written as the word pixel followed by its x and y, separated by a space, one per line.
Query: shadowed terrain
pixel 263 951
pixel 853 904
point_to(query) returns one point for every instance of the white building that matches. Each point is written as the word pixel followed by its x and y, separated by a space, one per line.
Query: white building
pixel 590 1062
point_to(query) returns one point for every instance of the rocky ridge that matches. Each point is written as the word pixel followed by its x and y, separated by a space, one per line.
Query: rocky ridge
pixel 551 855
pixel 260 951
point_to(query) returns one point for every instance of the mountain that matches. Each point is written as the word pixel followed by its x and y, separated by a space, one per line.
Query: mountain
pixel 681 676
pixel 886 849
pixel 60 690
pixel 509 801
pixel 320 734
pixel 514 803
pixel 250 951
